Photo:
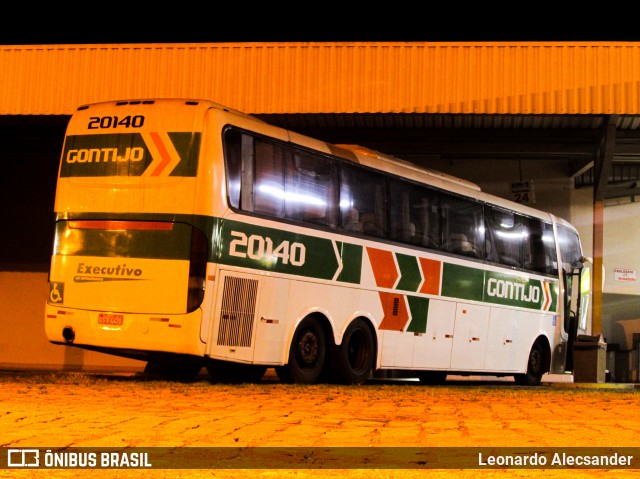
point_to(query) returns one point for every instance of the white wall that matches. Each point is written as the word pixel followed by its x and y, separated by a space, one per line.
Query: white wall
pixel 621 303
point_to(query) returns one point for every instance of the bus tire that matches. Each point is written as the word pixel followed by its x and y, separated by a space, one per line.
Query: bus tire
pixel 353 359
pixel 307 354
pixel 536 366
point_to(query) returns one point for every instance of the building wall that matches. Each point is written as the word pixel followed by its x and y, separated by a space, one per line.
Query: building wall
pixel 23 344
pixel 621 298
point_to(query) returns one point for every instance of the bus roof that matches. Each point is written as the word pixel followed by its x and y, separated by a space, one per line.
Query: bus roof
pixel 451 183
pixel 365 152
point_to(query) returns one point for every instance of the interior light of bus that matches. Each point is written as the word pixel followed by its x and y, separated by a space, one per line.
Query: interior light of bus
pixel 121 225
pixel 291 196
pixel 509 236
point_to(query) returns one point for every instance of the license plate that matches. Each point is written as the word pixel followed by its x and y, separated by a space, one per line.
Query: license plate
pixel 113 319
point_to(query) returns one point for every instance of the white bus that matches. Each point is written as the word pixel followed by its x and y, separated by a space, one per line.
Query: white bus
pixel 192 236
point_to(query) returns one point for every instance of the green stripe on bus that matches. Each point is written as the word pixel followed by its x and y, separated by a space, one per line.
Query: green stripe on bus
pixel 520 291
pixel 316 258
pixel 187 144
pixel 351 262
pixel 269 249
pixel 410 276
pixel 419 308
pixel 462 282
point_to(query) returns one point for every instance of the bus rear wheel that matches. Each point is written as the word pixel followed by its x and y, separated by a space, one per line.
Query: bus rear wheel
pixel 536 366
pixel 353 359
pixel 307 354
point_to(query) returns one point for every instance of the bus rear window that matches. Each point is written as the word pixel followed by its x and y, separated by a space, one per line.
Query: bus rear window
pixel 124 239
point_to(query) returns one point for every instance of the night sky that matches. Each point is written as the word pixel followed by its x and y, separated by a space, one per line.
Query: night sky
pixel 308 22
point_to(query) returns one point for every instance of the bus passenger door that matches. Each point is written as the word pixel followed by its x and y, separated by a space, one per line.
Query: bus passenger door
pixel 577 293
pixel 470 337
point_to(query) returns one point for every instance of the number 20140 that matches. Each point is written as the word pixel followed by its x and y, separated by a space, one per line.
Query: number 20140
pixel 129 121
pixel 258 248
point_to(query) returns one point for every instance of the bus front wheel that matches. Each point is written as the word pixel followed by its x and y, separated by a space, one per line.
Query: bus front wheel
pixel 353 359
pixel 536 366
pixel 306 355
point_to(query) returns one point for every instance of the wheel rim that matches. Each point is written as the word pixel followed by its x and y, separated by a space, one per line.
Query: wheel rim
pixel 308 347
pixel 535 361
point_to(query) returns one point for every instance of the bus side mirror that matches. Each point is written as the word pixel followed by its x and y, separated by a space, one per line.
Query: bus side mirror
pixel 586 259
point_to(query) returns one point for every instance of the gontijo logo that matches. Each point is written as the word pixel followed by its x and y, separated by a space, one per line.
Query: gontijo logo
pixel 144 153
pixel 91 155
pixel 522 291
pixel 512 290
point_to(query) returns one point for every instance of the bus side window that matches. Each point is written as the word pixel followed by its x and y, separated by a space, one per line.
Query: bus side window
pixel 366 192
pixel 462 227
pixel 269 170
pixel 504 230
pixel 491 251
pixel 549 241
pixel 309 189
pixel 539 254
pixel 233 164
pixel 402 229
pixel 352 221
pixel 413 214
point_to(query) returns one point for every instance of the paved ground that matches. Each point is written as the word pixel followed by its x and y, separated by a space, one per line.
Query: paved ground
pixel 47 410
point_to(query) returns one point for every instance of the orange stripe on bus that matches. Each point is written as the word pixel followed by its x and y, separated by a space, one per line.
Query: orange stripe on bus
pixel 432 273
pixel 166 157
pixel 384 267
pixel 547 296
pixel 396 314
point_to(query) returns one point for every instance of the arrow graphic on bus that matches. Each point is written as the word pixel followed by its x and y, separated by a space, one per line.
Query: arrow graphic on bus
pixel 164 154
pixel 546 288
pixel 405 272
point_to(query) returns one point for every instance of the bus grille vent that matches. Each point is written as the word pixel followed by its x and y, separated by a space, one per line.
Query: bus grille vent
pixel 396 306
pixel 237 312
